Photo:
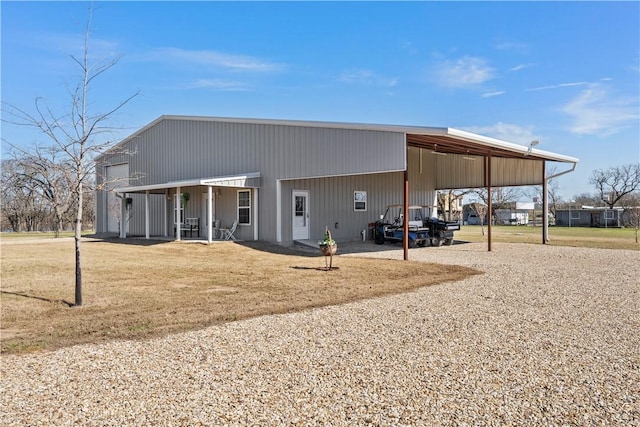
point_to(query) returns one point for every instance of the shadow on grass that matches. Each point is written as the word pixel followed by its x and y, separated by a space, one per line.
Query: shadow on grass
pixel 131 241
pixel 53 301
pixel 355 247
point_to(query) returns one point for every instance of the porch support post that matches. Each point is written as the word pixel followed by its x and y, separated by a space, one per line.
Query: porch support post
pixel 178 205
pixel 278 210
pixel 146 214
pixel 545 205
pixel 490 200
pixel 255 213
pixel 405 209
pixel 164 216
pixel 209 213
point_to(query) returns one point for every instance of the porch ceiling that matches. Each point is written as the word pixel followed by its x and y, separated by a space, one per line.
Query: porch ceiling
pixel 247 180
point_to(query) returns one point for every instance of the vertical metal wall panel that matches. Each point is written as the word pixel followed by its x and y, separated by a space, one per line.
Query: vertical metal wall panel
pixel 331 202
pixel 454 171
pixel 457 171
pixel 516 172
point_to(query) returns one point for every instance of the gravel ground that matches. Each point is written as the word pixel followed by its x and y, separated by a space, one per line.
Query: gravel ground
pixel 547 336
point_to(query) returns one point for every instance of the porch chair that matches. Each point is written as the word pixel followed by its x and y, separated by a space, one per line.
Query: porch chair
pixel 227 233
pixel 215 228
pixel 191 225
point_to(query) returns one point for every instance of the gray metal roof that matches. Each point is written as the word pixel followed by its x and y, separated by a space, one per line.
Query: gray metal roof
pixel 439 139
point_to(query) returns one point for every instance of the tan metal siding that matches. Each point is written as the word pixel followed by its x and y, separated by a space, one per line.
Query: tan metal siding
pixel 454 171
pixel 331 202
pixel 516 172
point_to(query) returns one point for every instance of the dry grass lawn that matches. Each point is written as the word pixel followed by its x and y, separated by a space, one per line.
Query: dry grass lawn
pixel 586 237
pixel 139 290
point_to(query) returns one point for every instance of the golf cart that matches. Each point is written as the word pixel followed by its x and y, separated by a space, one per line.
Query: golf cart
pixel 422 228
pixel 441 231
pixel 390 227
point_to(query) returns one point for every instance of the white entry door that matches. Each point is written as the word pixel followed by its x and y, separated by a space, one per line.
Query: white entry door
pixel 300 214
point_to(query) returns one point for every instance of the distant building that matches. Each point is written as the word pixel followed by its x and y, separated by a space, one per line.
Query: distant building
pixel 587 216
pixel 512 217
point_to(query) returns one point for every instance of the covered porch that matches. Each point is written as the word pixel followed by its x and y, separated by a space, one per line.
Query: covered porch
pixel 203 208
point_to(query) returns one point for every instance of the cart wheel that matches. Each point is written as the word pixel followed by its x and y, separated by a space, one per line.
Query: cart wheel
pixel 422 243
pixel 448 242
pixel 435 241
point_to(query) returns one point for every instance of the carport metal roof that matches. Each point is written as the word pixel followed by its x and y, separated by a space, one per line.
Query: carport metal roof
pixel 454 141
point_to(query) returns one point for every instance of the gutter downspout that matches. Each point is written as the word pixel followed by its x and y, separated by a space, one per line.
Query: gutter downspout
pixel 545 202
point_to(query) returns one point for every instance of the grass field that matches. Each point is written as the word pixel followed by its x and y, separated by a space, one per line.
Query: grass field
pixel 141 289
pixel 608 238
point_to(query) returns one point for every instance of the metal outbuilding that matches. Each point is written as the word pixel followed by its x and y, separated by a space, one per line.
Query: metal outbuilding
pixel 283 180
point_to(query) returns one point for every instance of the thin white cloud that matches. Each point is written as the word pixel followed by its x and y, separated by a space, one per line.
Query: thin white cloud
pixel 69 44
pixel 558 86
pixel 217 84
pixel 507 132
pixel 467 71
pixel 367 77
pixel 521 67
pixel 492 94
pixel 513 46
pixel 597 112
pixel 215 59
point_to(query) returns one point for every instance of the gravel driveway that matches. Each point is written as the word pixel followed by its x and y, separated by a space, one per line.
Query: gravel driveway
pixel 547 336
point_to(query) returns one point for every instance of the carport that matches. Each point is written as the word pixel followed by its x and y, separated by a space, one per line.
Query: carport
pixel 467 160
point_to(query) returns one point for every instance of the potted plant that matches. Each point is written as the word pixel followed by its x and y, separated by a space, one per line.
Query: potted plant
pixel 185 199
pixel 328 247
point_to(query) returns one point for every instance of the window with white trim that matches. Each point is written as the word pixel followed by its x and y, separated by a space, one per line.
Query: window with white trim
pixel 244 207
pixel 359 200
pixel 608 214
pixel 575 214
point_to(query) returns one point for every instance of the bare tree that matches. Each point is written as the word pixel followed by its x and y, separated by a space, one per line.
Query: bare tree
pixel 481 210
pixel 613 184
pixel 73 141
pixel 586 199
pixel 22 205
pixel 447 202
pixel 501 198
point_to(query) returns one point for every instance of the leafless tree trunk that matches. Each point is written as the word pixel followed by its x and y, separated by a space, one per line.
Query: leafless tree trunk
pixel 73 145
pixel 501 198
pixel 481 211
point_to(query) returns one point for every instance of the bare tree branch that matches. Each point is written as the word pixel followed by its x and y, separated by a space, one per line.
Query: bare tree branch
pixel 60 171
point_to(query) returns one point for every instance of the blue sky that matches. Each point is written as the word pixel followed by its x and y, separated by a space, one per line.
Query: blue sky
pixel 564 73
